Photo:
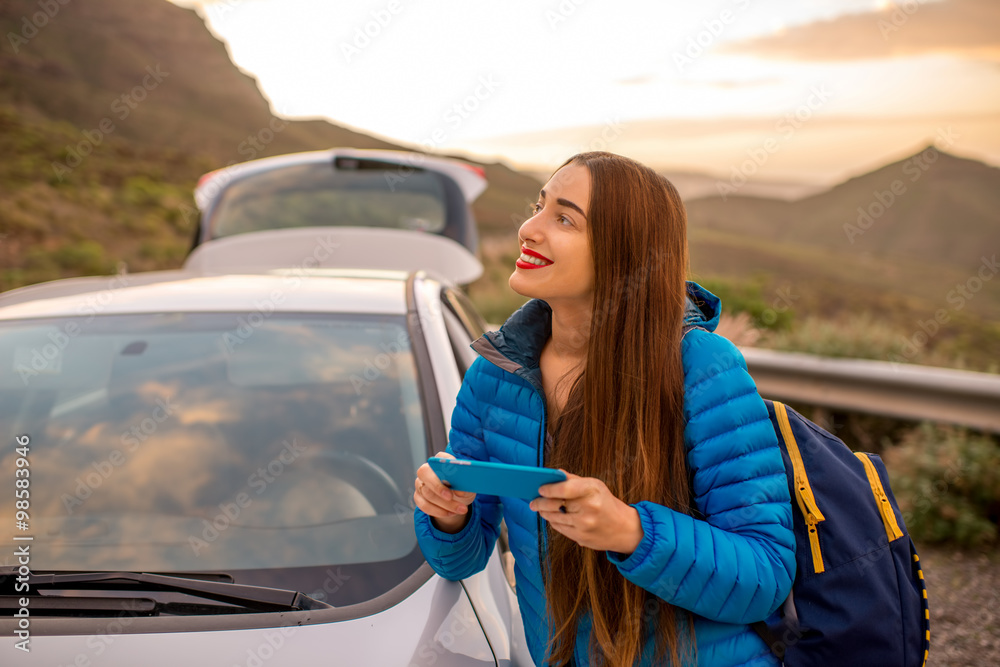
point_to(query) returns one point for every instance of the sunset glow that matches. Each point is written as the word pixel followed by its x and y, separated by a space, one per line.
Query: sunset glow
pixel 680 85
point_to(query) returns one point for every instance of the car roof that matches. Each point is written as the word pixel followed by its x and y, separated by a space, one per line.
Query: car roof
pixel 345 269
pixel 318 290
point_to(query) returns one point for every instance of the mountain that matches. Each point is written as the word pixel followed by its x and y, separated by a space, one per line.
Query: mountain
pixel 155 71
pixel 693 185
pixel 86 86
pixel 930 207
pixel 110 111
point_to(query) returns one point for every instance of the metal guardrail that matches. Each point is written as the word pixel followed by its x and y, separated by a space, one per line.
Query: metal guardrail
pixel 878 387
pixel 907 391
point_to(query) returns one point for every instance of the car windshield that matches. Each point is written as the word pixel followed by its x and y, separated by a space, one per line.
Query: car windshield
pixel 324 194
pixel 279 448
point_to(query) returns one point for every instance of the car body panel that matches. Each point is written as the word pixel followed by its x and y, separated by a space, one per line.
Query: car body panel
pixel 436 625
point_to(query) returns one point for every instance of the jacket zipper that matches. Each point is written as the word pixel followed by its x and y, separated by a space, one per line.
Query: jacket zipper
pixel 892 530
pixel 803 491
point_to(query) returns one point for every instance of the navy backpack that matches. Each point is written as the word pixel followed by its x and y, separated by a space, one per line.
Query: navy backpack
pixel 859 597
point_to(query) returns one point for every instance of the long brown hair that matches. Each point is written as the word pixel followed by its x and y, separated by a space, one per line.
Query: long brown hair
pixel 624 417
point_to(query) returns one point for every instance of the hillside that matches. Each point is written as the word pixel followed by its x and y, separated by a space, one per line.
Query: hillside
pixel 110 110
pixel 93 60
pixel 931 207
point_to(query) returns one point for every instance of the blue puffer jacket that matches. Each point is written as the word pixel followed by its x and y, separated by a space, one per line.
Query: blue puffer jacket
pixel 733 567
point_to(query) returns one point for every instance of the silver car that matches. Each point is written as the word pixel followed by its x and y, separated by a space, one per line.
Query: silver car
pixel 219 461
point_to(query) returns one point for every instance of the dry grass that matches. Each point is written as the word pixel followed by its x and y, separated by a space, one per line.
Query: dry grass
pixel 963 589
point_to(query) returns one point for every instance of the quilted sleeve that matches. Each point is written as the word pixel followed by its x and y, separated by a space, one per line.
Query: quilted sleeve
pixel 460 555
pixel 736 563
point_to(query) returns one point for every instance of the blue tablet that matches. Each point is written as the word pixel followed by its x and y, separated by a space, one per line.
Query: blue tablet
pixel 495 479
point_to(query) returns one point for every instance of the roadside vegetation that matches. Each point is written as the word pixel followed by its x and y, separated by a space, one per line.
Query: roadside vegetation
pixel 120 207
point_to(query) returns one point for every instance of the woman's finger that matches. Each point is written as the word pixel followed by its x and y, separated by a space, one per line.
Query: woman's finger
pixel 549 505
pixel 426 474
pixel 433 504
pixel 573 487
pixel 433 490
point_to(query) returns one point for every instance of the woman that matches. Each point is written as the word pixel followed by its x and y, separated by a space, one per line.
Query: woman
pixel 673 529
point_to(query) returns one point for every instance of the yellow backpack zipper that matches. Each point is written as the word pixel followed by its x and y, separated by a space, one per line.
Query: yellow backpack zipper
pixel 892 530
pixel 803 491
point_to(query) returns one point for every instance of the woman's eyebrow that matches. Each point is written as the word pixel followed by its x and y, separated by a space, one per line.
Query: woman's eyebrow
pixel 567 203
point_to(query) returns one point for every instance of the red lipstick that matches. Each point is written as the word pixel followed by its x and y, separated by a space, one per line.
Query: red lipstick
pixel 521 264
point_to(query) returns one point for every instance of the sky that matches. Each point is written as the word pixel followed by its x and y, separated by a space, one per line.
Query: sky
pixel 809 90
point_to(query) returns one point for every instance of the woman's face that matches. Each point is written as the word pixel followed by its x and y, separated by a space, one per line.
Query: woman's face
pixel 556 262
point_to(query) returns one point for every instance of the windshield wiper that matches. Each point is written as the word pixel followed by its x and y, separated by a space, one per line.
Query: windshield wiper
pixel 61 605
pixel 255 598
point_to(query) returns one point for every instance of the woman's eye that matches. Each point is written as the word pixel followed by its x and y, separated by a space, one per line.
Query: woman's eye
pixel 535 208
pixel 564 220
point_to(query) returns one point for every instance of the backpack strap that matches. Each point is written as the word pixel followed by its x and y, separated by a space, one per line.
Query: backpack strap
pixel 787 626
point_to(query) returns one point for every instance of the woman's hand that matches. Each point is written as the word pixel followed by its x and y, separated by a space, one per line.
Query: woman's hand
pixel 448 509
pixel 591 515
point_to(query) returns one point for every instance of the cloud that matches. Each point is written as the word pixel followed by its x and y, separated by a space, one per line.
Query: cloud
pixel 733 84
pixel 636 80
pixel 966 28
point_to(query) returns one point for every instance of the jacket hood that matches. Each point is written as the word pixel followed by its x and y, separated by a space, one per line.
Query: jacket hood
pixel 703 307
pixel 520 340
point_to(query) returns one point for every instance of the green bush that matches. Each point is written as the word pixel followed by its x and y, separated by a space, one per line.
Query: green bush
pixel 947 483
pixel 143 191
pixel 748 297
pixel 83 258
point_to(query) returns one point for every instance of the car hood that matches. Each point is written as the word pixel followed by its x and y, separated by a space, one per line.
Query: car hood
pixel 436 625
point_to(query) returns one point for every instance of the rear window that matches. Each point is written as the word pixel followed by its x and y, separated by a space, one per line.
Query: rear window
pixel 277 448
pixel 332 194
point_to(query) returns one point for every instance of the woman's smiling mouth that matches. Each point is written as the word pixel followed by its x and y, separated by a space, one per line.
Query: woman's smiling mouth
pixel 530 259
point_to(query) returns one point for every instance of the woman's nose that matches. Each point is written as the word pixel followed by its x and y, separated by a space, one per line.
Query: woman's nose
pixel 530 229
